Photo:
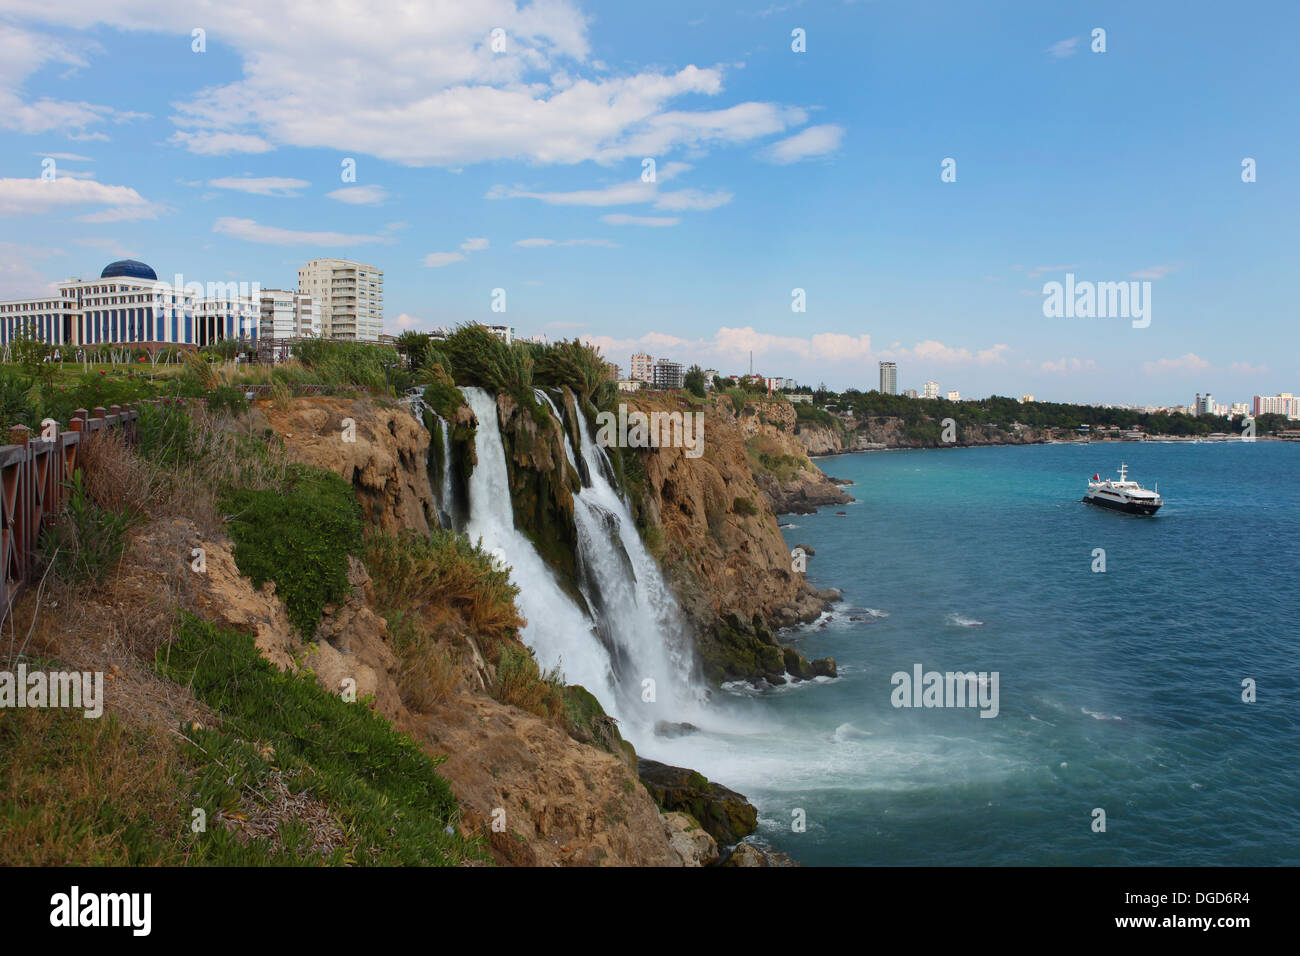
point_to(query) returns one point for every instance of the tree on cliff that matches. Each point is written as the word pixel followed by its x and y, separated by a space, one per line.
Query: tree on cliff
pixel 694 381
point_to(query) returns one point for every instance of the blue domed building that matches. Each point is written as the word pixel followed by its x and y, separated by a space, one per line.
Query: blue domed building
pixel 129 269
pixel 128 306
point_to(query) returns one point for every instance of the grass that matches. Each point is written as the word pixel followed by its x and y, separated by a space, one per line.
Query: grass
pixel 387 804
pixel 299 536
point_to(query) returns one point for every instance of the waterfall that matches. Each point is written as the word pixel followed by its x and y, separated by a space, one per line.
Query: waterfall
pixel 445 502
pixel 633 652
pixel 557 630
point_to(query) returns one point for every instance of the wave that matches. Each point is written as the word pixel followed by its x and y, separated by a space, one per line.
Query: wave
pixel 957 620
pixel 1098 715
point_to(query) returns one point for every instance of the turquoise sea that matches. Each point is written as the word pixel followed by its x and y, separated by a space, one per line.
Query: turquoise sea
pixel 1120 691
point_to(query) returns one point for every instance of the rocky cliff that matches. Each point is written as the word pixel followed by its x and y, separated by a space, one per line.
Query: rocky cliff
pixel 873 434
pixel 779 460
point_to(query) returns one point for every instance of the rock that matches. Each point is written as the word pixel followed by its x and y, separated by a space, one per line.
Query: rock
pixel 724 814
pixel 691 843
pixel 747 854
pixel 797 664
pixel 841 514
pixel 667 728
pixel 806 549
pixel 825 667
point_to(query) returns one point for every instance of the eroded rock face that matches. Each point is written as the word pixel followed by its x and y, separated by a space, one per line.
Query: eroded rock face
pixel 724 814
pixel 565 803
pixel 690 841
pixel 386 464
pixel 792 483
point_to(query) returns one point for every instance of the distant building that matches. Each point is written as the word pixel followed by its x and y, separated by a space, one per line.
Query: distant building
pixel 349 298
pixel 910 393
pixel 643 367
pixel 1282 404
pixel 954 395
pixel 630 385
pixel 287 315
pixel 931 390
pixel 709 375
pixel 888 378
pixel 1204 404
pixel 668 374
pixel 800 398
pixel 505 333
pixel 1026 399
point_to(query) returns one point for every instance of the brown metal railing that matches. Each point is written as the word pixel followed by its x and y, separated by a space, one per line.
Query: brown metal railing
pixel 34 471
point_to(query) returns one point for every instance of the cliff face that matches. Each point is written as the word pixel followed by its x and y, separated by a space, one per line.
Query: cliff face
pixel 385 460
pixel 779 461
pixel 873 434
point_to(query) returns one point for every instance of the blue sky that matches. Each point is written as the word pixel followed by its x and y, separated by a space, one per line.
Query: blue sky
pixel 521 169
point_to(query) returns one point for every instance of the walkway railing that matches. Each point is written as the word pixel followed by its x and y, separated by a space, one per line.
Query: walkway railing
pixel 34 471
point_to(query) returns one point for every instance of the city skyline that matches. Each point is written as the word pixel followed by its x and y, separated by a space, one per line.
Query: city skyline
pixel 774 171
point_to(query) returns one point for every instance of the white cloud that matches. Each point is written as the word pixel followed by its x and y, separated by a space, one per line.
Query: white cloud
pixel 252 231
pixel 633 192
pixel 22 54
pixel 30 197
pixel 1064 365
pixel 933 351
pixel 1191 362
pixel 220 143
pixel 261 186
pixel 440 95
pixel 1063 48
pixel 622 219
pixel 813 141
pixel 360 195
pixel 67 157
pixel 439 259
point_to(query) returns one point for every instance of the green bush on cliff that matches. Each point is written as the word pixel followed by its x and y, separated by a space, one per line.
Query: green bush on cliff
pixel 298 536
pixel 579 366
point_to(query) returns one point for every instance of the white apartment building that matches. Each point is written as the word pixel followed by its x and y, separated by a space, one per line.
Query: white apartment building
pixel 348 298
pixel 954 395
pixel 505 333
pixel 931 390
pixel 288 315
pixel 643 367
pixel 888 378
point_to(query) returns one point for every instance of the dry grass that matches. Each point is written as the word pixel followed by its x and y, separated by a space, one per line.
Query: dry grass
pixel 84 792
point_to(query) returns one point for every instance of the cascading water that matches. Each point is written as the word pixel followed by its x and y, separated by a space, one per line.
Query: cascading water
pixel 637 636
pixel 557 630
pixel 445 502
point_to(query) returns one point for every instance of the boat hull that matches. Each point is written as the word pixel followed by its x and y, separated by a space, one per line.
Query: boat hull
pixel 1126 507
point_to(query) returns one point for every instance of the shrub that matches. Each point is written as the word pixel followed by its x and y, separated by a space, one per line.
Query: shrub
pixel 227 399
pixel 298 536
pixel 743 506
pixel 86 541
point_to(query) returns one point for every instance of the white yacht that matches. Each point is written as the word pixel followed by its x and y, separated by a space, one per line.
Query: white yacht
pixel 1123 495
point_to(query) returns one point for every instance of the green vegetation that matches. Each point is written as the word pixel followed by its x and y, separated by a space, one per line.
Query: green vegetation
pixel 694 381
pixel 743 506
pixel 86 541
pixel 298 536
pixel 387 804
